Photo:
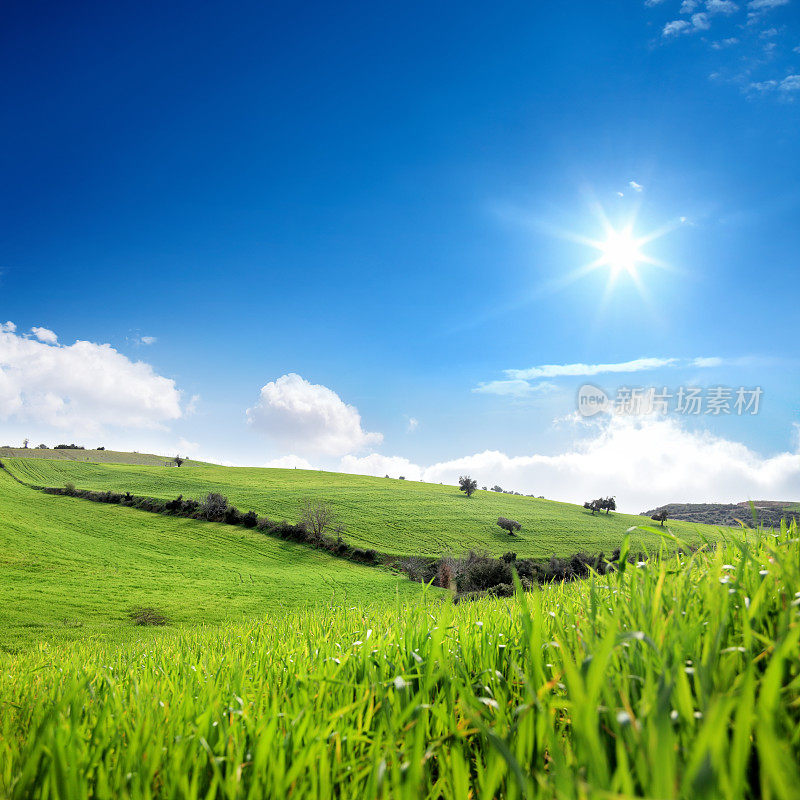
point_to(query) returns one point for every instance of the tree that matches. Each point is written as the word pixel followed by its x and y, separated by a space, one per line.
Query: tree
pixel 467 485
pixel 497 488
pixel 509 525
pixel 214 506
pixel 178 460
pixel 317 516
pixel 609 504
pixel 661 517
pixel 25 444
pixel 592 505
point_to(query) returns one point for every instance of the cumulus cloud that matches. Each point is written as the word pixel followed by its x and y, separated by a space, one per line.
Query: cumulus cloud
pixel 45 335
pixel 675 27
pixel 701 21
pixel 309 417
pixel 785 87
pixel 147 340
pixel 289 462
pixel 645 463
pixel 688 6
pixel 721 7
pixel 378 465
pixel 83 386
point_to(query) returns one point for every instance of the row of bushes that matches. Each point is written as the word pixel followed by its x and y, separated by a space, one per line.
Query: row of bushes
pixel 215 508
pixel 479 573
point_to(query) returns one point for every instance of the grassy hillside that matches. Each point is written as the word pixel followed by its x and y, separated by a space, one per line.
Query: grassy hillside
pixel 392 516
pixel 71 569
pixel 95 456
pixel 676 680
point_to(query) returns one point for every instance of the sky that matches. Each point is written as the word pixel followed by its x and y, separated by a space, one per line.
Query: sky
pixel 398 238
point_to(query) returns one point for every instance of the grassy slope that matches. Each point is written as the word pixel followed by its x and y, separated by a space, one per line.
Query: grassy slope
pixel 677 680
pixel 69 568
pixel 97 456
pixel 393 516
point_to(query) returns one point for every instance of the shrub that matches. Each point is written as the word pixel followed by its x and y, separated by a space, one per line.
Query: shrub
pixel 317 516
pixel 232 515
pixel 250 519
pixel 509 525
pixel 69 488
pixel 214 506
pixel 483 572
pixel 148 616
pixel 509 558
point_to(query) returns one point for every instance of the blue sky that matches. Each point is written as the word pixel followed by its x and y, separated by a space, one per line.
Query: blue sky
pixel 391 201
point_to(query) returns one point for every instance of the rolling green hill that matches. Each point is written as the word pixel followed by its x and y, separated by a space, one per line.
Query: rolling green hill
pixel 392 516
pixel 95 456
pixel 73 569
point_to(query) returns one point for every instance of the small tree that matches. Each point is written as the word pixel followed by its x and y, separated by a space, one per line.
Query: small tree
pixel 25 444
pixel 214 506
pixel 317 516
pixel 467 485
pixel 497 488
pixel 509 525
pixel 178 460
pixel 609 504
pixel 661 517
pixel 592 505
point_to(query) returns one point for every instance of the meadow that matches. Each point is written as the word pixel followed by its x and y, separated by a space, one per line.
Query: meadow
pixel 71 569
pixel 675 678
pixel 393 516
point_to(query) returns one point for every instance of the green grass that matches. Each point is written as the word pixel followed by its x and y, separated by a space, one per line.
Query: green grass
pixel 96 456
pixel 677 679
pixel 389 515
pixel 71 569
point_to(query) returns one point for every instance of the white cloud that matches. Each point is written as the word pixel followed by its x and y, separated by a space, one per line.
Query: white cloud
pixel 309 417
pixel 148 340
pixel 765 5
pixel 514 388
pixel 83 387
pixel 768 33
pixel 637 187
pixel 289 462
pixel 413 424
pixel 791 83
pixel 729 42
pixel 701 21
pixel 572 370
pixel 644 463
pixel 379 466
pixel 675 27
pixel 687 6
pixel 721 7
pixel 45 335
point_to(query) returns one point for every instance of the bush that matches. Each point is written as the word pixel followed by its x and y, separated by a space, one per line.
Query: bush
pixel 483 573
pixel 233 516
pixel 250 519
pixel 69 488
pixel 509 525
pixel 214 506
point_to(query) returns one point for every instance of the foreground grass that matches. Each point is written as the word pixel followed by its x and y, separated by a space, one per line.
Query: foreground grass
pixel 672 679
pixel 71 569
pixel 391 516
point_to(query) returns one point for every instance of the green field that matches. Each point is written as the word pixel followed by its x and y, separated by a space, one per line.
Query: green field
pixel 392 516
pixel 676 679
pixel 74 569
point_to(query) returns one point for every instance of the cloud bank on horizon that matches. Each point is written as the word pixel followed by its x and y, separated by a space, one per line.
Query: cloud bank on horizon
pixel 92 388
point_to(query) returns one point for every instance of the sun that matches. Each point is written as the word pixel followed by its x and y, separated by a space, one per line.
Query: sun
pixel 621 251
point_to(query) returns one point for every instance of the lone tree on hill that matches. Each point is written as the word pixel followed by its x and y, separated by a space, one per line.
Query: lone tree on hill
pixel 592 505
pixel 317 516
pixel 467 485
pixel 661 517
pixel 178 460
pixel 509 525
pixel 609 504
